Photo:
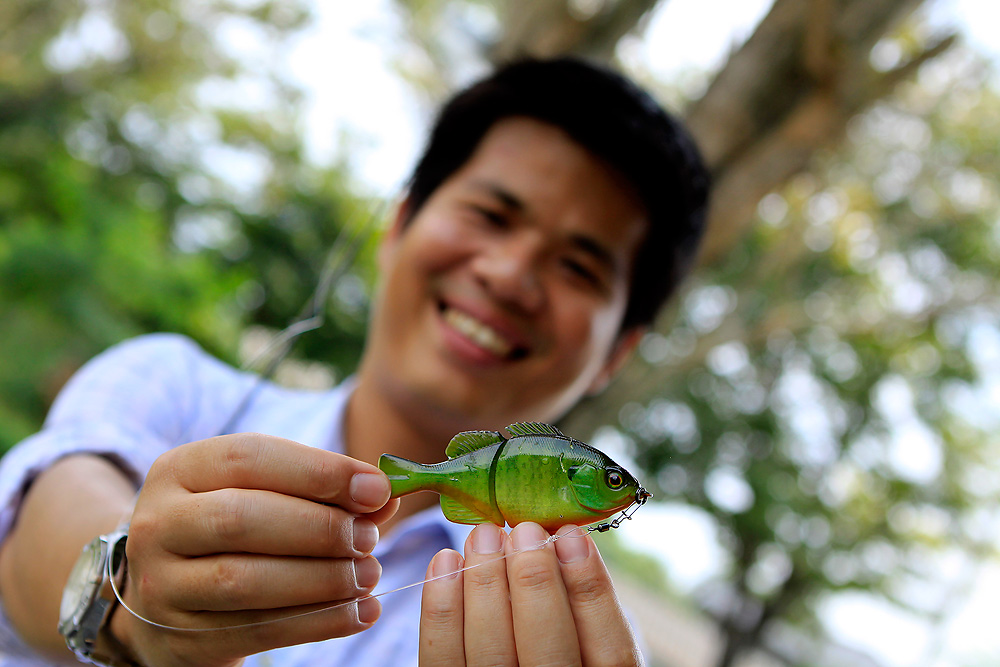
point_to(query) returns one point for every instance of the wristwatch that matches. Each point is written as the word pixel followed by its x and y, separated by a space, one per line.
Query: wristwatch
pixel 88 601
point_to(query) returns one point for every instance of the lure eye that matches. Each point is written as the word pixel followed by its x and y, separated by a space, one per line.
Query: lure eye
pixel 615 479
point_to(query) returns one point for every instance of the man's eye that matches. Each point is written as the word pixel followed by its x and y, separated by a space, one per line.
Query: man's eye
pixel 491 216
pixel 582 271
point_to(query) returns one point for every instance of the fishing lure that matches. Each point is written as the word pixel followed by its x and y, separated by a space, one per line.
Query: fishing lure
pixel 538 474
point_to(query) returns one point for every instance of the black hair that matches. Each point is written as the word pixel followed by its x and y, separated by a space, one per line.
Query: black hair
pixel 616 121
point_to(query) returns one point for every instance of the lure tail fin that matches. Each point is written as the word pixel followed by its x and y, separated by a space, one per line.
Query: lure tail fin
pixel 404 476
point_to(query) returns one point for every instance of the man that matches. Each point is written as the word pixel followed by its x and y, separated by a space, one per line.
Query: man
pixel 555 208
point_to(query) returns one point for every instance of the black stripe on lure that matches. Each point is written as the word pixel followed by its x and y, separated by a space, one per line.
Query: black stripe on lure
pixel 538 474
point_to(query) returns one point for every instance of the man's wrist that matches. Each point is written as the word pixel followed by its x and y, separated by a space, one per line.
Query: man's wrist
pixel 117 636
pixel 113 638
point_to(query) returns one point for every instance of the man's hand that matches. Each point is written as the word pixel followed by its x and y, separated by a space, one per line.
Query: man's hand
pixel 550 605
pixel 240 529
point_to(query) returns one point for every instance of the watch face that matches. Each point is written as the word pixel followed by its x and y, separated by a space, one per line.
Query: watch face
pixel 84 577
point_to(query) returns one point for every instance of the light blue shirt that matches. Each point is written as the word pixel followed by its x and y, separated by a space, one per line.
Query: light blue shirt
pixel 152 393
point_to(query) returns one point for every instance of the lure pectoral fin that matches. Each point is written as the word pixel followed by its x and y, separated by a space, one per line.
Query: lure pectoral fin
pixel 456 512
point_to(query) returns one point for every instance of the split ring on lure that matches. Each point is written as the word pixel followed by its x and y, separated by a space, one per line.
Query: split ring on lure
pixel 538 474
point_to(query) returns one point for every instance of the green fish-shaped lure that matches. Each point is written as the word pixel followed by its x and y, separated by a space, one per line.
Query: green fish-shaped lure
pixel 538 474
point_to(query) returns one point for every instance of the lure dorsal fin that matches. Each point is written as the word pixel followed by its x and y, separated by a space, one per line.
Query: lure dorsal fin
pixel 470 441
pixel 534 428
pixel 456 512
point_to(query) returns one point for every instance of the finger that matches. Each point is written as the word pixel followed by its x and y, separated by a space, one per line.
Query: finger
pixel 255 461
pixel 261 631
pixel 489 626
pixel 543 619
pixel 264 522
pixel 234 582
pixel 384 513
pixel 300 625
pixel 605 633
pixel 441 615
pixel 226 636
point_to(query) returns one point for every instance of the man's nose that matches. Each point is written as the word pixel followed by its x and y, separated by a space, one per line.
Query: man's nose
pixel 511 271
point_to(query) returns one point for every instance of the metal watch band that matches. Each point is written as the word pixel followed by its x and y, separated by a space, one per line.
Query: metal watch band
pixel 88 637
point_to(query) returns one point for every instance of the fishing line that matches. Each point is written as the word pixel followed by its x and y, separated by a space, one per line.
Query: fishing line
pixel 338 261
pixel 578 532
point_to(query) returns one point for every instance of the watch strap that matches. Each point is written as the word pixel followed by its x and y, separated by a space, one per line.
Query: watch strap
pixel 108 651
pixel 91 639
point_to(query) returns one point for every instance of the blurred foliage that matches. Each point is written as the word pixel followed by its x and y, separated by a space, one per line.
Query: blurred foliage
pixel 151 179
pixel 834 405
pixel 833 398
pixel 641 567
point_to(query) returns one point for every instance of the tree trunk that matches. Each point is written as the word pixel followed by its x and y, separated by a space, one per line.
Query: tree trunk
pixel 551 27
pixel 789 91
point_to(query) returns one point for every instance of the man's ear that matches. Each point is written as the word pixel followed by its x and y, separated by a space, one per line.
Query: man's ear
pixel 620 353
pixel 393 234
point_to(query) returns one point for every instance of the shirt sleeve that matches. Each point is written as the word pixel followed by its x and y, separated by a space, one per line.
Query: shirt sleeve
pixel 130 404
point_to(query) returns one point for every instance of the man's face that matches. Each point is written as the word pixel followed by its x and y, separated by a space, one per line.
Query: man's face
pixel 502 299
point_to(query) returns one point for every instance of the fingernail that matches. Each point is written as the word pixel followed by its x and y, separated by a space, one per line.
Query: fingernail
pixel 365 535
pixel 367 572
pixel 369 489
pixel 369 610
pixel 486 539
pixel 528 536
pixel 572 546
pixel 446 562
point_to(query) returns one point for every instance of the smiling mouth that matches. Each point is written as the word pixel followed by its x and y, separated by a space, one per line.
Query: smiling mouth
pixel 481 334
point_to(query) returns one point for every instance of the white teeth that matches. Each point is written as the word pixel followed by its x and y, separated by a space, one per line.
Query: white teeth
pixel 479 333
